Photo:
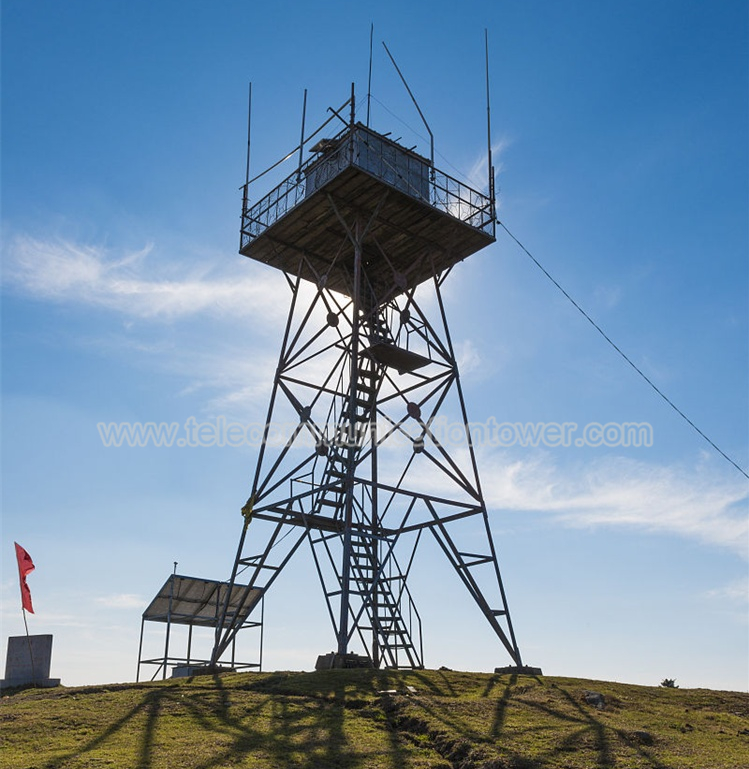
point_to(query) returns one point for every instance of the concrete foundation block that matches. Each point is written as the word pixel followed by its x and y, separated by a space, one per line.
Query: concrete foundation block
pixel 525 670
pixel 28 662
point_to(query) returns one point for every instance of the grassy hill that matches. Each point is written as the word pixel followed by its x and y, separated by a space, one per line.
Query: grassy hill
pixel 372 719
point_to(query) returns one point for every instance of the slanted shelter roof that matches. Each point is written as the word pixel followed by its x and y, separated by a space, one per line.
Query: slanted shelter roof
pixel 195 601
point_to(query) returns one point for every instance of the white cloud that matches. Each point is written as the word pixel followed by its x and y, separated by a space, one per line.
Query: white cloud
pixel 234 366
pixel 64 271
pixel 701 502
pixel 697 502
pixel 238 381
pixel 736 591
pixel 691 502
pixel 477 174
pixel 467 356
pixel 122 601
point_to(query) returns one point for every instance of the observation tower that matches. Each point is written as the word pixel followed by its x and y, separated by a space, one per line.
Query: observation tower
pixel 353 464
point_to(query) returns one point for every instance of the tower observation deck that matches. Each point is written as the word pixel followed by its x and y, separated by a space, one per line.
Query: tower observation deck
pixel 424 220
pixel 366 231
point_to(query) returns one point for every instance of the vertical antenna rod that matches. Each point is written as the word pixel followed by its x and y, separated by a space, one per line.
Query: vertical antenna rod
pixel 249 128
pixel 413 99
pixel 301 140
pixel 490 167
pixel 369 79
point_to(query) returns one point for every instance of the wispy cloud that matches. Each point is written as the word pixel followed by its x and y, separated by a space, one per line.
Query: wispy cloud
pixel 122 601
pixel 134 285
pixel 699 502
pixel 730 600
pixel 237 384
pixel 736 591
pixel 695 502
pixel 477 174
pixel 232 364
pixel 468 357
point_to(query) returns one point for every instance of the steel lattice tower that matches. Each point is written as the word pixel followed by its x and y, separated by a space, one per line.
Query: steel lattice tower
pixel 366 232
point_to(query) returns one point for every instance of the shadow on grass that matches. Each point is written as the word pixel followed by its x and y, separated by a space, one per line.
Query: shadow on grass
pixel 331 720
pixel 569 725
pixel 150 705
pixel 315 729
pixel 591 730
pixel 601 733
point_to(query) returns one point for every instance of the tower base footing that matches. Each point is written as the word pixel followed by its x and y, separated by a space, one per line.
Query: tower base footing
pixel 335 661
pixel 525 670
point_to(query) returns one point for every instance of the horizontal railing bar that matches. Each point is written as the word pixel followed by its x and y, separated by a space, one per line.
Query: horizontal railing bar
pixel 446 193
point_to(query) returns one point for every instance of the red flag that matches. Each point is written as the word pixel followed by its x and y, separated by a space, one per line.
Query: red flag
pixel 25 566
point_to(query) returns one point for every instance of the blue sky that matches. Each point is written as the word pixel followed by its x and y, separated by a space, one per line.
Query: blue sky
pixel 620 140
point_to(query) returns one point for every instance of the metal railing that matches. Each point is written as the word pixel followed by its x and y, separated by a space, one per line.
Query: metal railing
pixel 369 151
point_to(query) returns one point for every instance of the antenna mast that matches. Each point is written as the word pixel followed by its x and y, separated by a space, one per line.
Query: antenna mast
pixel 301 140
pixel 416 104
pixel 369 79
pixel 489 165
pixel 249 127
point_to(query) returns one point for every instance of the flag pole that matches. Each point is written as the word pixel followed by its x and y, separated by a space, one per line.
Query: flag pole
pixel 25 566
pixel 28 638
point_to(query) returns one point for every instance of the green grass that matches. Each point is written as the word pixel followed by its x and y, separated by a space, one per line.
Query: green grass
pixel 339 720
